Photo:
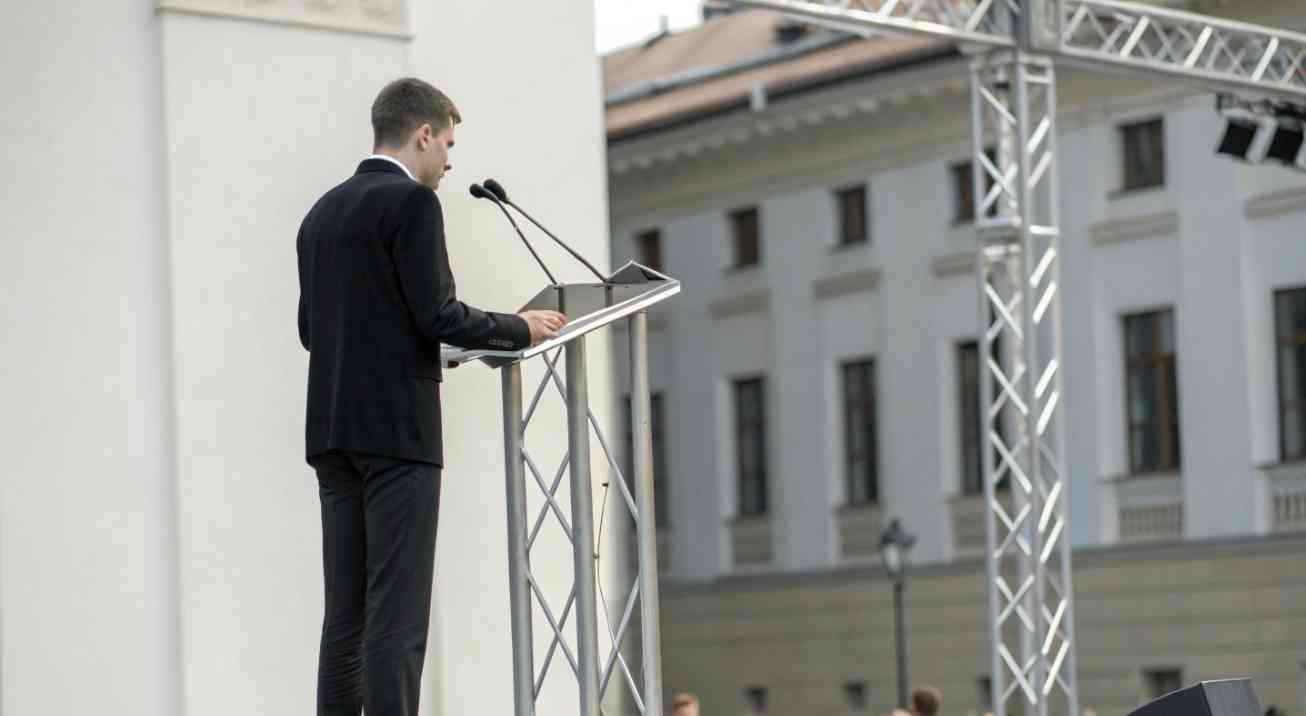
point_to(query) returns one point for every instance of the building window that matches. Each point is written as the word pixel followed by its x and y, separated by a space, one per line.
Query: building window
pixel 746 238
pixel 648 249
pixel 854 694
pixel 984 687
pixel 657 435
pixel 968 400
pixel 1301 688
pixel 1143 146
pixel 964 200
pixel 963 192
pixel 750 445
pixel 860 453
pixel 1160 682
pixel 1290 328
pixel 1152 393
pixel 972 427
pixel 755 699
pixel 852 215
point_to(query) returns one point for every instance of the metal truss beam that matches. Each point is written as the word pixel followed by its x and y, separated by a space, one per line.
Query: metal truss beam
pixel 1220 53
pixel 1031 606
pixel 960 20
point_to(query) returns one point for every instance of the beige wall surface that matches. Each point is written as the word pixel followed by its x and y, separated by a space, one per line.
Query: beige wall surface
pixel 1214 610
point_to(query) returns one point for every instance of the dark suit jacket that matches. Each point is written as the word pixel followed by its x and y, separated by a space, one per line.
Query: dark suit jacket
pixel 376 300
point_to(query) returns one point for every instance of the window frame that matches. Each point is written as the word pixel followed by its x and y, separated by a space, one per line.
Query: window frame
pixel 643 241
pixel 1281 344
pixel 869 406
pixel 661 471
pixel 857 695
pixel 963 184
pixel 841 202
pixel 970 454
pixel 1127 133
pixel 1166 364
pixel 1153 676
pixel 975 456
pixel 761 506
pixel 738 220
pixel 962 176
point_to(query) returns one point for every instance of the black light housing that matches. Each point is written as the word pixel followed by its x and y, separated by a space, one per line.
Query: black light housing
pixel 1238 138
pixel 1260 130
pixel 1285 146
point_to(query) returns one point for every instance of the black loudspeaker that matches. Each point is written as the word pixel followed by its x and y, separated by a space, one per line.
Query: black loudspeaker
pixel 1226 697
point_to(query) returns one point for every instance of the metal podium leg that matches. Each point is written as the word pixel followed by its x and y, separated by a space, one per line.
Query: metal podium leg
pixel 582 521
pixel 646 528
pixel 519 596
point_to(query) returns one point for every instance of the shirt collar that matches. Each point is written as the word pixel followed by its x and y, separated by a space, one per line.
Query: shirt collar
pixel 394 161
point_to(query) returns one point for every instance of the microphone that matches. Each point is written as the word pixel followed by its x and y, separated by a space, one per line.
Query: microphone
pixel 501 196
pixel 479 192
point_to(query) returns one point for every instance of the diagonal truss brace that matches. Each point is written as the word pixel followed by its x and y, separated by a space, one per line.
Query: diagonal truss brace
pixel 1013 103
pixel 593 670
pixel 1223 54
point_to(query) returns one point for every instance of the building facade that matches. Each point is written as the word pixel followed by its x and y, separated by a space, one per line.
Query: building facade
pixel 818 376
pixel 159 530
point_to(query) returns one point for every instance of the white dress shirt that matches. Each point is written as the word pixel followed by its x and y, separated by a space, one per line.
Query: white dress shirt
pixel 396 162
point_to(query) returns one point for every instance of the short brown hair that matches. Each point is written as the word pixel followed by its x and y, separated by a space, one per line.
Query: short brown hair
pixel 926 700
pixel 682 700
pixel 405 105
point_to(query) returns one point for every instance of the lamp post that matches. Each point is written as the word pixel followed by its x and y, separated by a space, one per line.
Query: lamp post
pixel 895 543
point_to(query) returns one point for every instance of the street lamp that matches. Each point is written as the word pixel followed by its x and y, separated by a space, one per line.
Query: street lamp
pixel 895 543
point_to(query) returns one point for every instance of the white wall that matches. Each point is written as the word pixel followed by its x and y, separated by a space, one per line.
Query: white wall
pixel 526 81
pixel 159 530
pixel 261 119
pixel 88 605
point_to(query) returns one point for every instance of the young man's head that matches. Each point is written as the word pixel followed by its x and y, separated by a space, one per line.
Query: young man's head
pixel 413 122
pixel 684 705
pixel 925 701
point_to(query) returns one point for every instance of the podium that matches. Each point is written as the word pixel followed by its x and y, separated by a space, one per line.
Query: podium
pixel 625 295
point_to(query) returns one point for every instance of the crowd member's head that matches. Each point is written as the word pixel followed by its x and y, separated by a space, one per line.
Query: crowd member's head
pixel 684 705
pixel 925 701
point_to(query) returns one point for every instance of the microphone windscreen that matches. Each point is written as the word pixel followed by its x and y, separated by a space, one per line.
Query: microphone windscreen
pixel 496 189
pixel 478 191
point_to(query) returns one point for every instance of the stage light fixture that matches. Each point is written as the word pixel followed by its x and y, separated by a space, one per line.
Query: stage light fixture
pixel 1260 130
pixel 1285 146
pixel 1238 139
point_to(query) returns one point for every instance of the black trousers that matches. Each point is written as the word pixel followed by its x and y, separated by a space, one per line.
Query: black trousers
pixel 378 560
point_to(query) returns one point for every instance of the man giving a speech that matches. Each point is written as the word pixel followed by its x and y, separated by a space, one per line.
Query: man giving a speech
pixel 376 300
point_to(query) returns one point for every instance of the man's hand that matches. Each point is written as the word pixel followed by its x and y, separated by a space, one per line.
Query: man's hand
pixel 544 325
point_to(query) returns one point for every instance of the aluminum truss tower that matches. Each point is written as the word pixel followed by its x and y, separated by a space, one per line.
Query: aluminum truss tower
pixel 1014 44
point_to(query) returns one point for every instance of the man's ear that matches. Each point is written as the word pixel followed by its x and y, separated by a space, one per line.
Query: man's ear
pixel 423 136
